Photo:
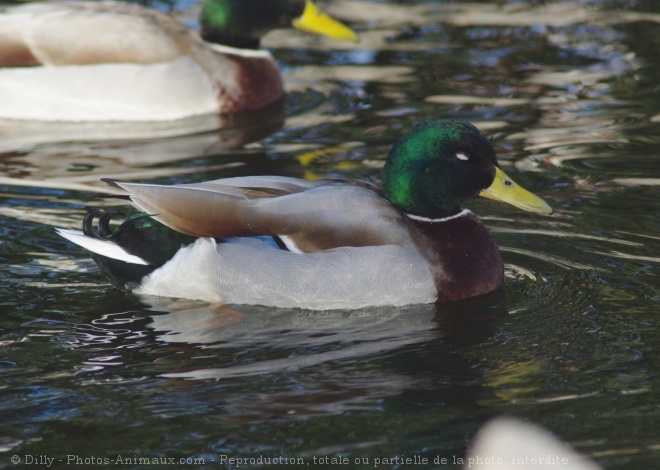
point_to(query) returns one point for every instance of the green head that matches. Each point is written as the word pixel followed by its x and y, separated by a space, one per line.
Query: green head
pixel 440 164
pixel 242 23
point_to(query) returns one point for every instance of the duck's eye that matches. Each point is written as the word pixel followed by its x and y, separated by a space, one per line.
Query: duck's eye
pixel 462 156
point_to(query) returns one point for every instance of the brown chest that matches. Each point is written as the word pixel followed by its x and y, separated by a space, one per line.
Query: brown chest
pixel 464 257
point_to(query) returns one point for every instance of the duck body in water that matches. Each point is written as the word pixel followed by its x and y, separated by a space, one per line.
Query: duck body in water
pixel 109 61
pixel 323 244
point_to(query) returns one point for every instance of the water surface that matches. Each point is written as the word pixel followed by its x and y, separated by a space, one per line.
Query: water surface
pixel 568 92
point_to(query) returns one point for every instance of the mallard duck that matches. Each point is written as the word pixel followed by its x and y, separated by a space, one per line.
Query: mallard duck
pixel 323 244
pixel 106 61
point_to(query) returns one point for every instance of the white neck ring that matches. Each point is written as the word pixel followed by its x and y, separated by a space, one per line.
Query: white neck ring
pixel 419 218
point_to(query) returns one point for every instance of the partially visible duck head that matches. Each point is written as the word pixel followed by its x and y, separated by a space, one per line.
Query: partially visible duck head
pixel 242 23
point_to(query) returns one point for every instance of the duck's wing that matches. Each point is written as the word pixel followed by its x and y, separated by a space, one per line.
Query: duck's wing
pixel 306 216
pixel 84 33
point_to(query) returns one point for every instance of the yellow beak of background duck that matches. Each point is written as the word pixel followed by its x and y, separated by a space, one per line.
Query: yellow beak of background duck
pixel 315 21
pixel 506 190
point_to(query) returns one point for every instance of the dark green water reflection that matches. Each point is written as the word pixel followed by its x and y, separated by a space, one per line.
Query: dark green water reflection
pixel 568 91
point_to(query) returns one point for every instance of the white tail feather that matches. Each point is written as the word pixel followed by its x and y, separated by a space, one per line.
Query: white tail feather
pixel 100 247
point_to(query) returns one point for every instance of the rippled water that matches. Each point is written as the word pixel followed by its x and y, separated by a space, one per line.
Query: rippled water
pixel 568 91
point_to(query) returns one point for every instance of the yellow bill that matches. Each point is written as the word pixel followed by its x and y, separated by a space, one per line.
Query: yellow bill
pixel 315 21
pixel 506 190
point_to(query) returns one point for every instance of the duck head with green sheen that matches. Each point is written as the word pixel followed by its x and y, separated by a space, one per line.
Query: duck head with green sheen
pixel 242 23
pixel 440 164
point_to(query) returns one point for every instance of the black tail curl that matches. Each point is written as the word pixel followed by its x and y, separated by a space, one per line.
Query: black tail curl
pixel 138 234
pixel 102 230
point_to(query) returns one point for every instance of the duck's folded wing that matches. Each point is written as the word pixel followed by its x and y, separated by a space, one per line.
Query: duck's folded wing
pixel 306 216
pixel 68 34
